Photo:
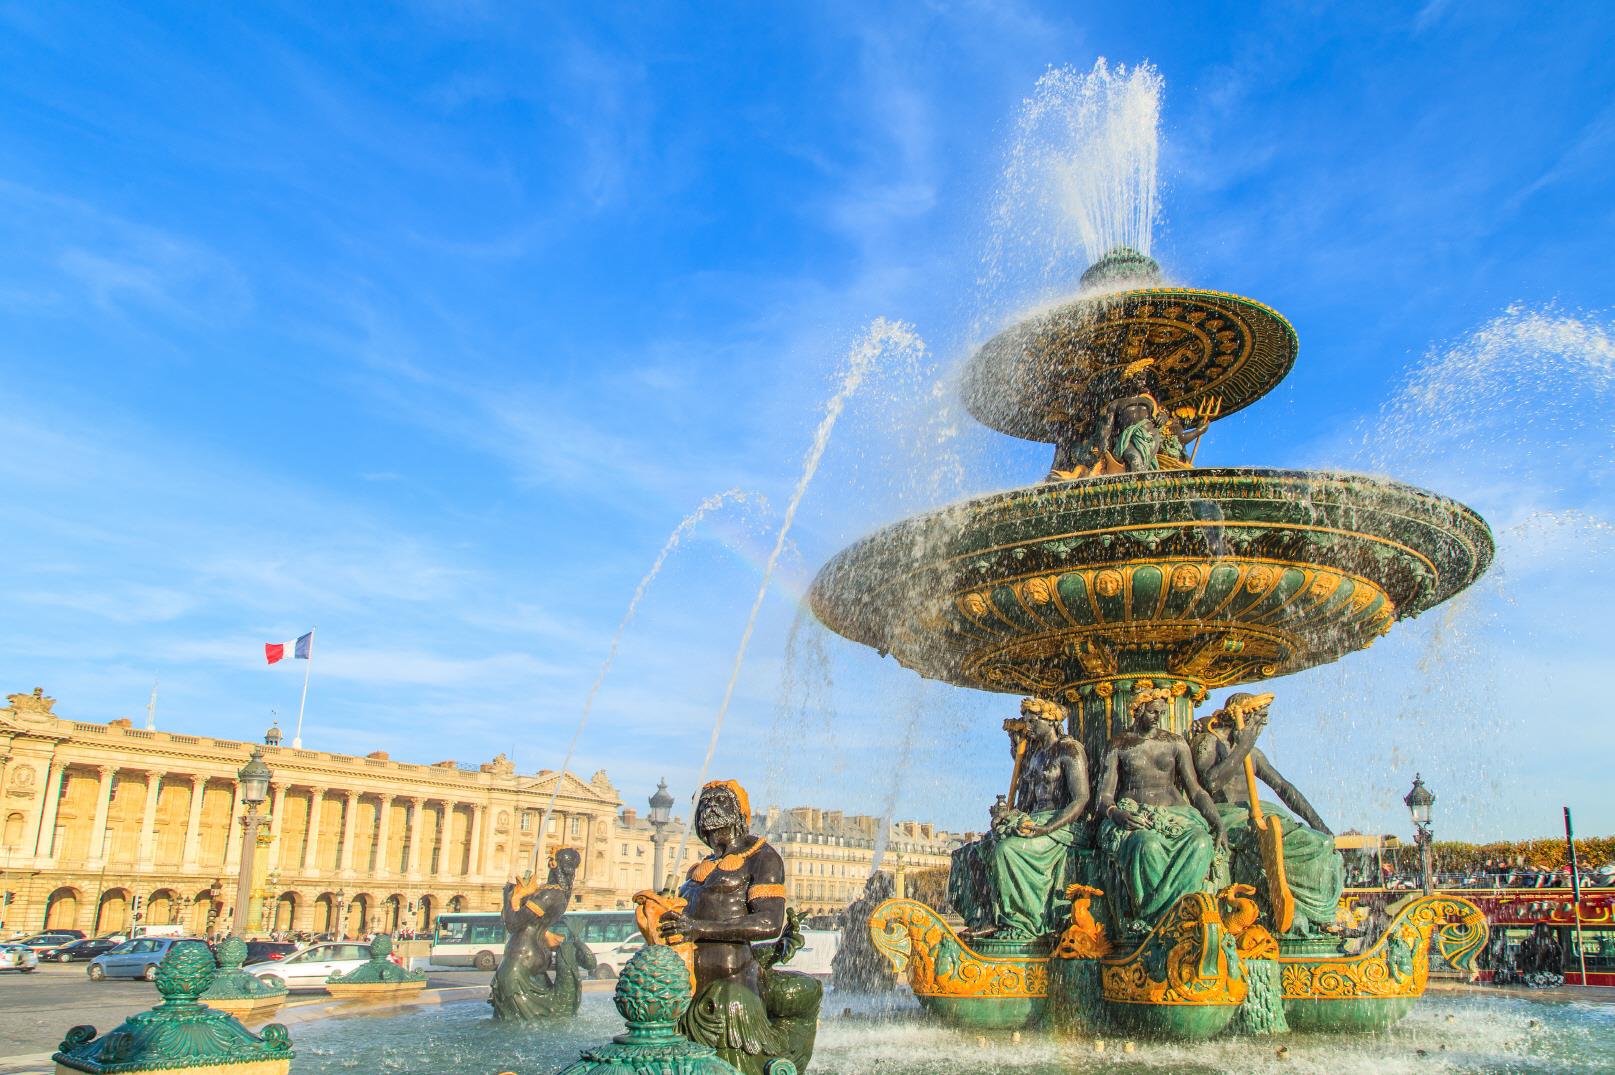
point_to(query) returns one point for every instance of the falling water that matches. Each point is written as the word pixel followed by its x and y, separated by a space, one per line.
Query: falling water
pixel 1514 421
pixel 883 338
pixel 680 532
pixel 899 767
pixel 1080 180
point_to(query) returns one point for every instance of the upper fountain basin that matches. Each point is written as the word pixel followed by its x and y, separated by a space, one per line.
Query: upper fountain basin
pixel 1200 351
pixel 1221 576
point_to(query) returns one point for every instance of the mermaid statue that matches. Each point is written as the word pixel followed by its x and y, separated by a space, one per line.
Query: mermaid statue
pixel 1159 831
pixel 1313 870
pixel 545 961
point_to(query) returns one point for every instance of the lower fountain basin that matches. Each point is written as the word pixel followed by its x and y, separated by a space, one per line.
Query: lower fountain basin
pixel 1458 1032
pixel 1215 576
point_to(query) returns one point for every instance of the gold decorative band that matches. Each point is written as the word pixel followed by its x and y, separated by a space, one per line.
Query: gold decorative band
pixel 765 892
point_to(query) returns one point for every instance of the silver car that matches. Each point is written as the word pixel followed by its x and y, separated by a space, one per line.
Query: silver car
pixel 18 957
pixel 310 968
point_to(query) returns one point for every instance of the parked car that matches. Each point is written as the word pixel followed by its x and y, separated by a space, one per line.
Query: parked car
pixel 88 948
pixel 137 958
pixel 18 957
pixel 310 968
pixel 269 951
pixel 53 938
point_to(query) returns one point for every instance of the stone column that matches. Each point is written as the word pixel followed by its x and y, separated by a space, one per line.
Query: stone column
pixel 446 843
pixel 103 802
pixel 311 848
pixel 277 822
pixel 350 815
pixel 414 834
pixel 384 832
pixel 473 866
pixel 193 827
pixel 45 839
pixel 148 821
pixel 232 839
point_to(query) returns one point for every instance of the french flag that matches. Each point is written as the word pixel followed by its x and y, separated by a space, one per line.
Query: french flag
pixel 279 651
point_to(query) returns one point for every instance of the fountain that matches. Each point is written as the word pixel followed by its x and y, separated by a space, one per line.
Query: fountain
pixel 1118 593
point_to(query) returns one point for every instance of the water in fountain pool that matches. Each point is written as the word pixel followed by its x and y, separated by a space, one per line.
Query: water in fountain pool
pixel 1447 1033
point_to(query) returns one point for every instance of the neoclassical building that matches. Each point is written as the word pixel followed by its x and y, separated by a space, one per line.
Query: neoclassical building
pixel 101 822
pixel 829 855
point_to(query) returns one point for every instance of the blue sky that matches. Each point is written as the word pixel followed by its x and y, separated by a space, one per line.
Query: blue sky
pixel 426 324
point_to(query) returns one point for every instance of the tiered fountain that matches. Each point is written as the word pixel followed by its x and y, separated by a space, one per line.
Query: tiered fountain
pixel 1130 577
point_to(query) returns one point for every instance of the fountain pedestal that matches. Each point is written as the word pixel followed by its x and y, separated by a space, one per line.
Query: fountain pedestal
pixel 181 1034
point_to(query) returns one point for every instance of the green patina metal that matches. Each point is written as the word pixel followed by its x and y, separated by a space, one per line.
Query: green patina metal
pixel 180 1033
pixel 1125 587
pixel 231 982
pixel 379 969
pixel 652 993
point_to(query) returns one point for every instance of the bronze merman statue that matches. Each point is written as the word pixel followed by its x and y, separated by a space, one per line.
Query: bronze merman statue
pixel 541 974
pixel 1008 884
pixel 747 1010
pixel 1313 871
pixel 1157 845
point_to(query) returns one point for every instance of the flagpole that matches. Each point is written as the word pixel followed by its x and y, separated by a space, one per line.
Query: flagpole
pixel 1575 892
pixel 297 739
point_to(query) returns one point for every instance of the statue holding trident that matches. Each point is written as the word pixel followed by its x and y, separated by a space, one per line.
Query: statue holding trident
pixel 1292 863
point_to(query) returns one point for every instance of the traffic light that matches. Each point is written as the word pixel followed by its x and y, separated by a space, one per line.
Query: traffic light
pixel 136 905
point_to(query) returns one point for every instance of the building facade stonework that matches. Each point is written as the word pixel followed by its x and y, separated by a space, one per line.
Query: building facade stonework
pixel 101 822
pixel 104 825
pixel 829 855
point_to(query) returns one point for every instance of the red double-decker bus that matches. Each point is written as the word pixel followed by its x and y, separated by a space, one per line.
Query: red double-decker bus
pixel 1514 915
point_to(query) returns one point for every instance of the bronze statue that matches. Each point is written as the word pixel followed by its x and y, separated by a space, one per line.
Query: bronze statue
pixel 747 1010
pixel 1157 845
pixel 1314 871
pixel 541 974
pixel 1008 884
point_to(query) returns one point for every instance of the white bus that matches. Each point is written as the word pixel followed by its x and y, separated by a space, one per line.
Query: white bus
pixel 478 940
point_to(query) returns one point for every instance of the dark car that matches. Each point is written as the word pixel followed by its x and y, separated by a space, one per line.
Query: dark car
pixel 266 951
pixel 53 938
pixel 88 948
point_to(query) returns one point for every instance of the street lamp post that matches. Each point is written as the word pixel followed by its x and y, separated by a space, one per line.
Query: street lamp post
pixel 1419 801
pixel 661 815
pixel 254 779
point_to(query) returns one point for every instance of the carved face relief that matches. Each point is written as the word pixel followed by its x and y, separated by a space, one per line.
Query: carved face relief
pixel 1107 583
pixel 23 777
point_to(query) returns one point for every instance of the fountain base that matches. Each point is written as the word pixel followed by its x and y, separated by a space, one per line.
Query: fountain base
pixel 1186 979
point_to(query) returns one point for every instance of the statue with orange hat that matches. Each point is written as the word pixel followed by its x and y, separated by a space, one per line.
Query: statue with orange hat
pixel 730 917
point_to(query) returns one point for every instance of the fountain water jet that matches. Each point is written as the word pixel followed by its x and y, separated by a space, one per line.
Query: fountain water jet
pixel 882 338
pixel 679 533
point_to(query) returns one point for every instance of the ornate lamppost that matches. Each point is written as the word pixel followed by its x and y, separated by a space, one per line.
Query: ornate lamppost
pixel 254 779
pixel 339 931
pixel 1419 801
pixel 661 816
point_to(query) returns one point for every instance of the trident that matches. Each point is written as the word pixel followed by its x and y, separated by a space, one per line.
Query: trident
pixel 1208 408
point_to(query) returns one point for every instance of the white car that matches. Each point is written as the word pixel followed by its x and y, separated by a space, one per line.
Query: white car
pixel 310 968
pixel 18 957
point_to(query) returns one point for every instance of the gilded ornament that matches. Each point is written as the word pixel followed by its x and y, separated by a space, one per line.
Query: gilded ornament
pixel 1398 964
pixel 1107 583
pixel 1038 592
pixel 917 942
pixel 1181 961
pixel 1185 577
pixel 975 605
pixel 1084 938
pixel 1260 579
